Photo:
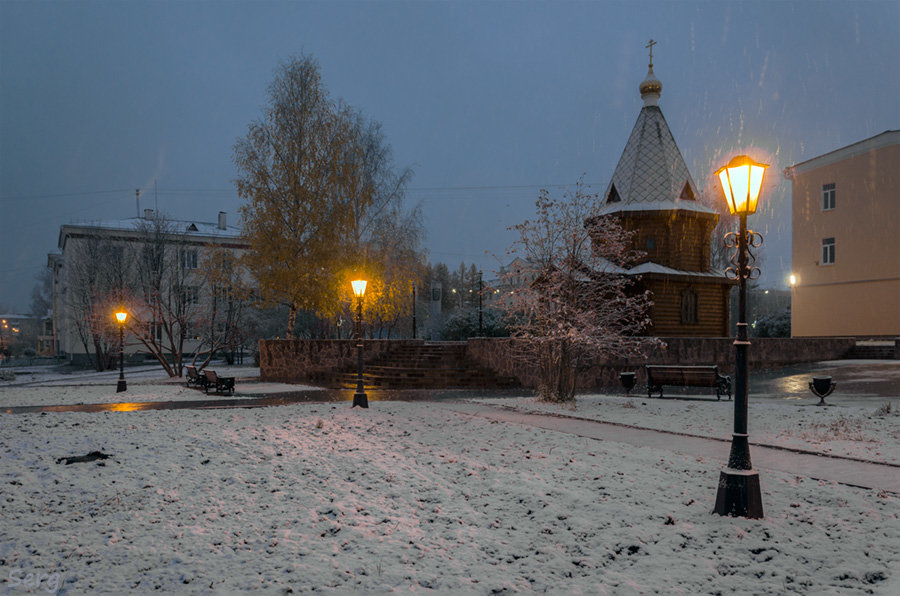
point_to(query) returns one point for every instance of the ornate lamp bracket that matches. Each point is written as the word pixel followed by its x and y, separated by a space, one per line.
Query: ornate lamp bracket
pixel 753 241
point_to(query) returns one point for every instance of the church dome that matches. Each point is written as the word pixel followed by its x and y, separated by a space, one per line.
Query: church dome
pixel 650 88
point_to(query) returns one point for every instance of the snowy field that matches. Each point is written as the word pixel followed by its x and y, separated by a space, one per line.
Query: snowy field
pixel 149 383
pixel 865 432
pixel 407 497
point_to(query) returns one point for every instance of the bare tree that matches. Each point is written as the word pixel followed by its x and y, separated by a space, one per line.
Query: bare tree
pixel 223 302
pixel 97 272
pixel 165 292
pixel 579 305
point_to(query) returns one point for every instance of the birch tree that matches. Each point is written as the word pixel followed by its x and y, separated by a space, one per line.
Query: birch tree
pixel 320 183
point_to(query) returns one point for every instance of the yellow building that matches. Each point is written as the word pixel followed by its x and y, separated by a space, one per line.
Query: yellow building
pixel 846 254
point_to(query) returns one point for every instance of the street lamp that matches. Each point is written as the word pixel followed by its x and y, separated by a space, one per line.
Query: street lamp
pixel 480 292
pixel 121 317
pixel 359 398
pixel 739 493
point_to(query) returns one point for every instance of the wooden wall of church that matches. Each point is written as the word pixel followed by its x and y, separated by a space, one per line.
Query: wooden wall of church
pixel 668 310
pixel 673 239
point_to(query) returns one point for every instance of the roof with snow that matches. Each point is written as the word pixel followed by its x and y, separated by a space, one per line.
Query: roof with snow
pixel 190 228
pixel 651 174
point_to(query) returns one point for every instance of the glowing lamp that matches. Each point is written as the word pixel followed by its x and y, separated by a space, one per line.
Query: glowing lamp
pixel 793 280
pixel 121 316
pixel 359 287
pixel 741 180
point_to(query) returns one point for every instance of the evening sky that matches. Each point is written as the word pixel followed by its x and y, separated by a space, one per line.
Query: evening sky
pixel 486 102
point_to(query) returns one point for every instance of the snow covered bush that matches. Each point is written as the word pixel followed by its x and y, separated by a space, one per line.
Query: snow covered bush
pixel 577 305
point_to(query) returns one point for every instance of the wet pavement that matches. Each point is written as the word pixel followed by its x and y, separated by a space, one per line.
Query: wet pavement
pixel 280 399
pixel 858 383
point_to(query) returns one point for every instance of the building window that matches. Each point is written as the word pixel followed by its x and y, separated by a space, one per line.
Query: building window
pixel 689 307
pixel 828 197
pixel 828 251
pixel 650 243
pixel 189 259
pixel 191 295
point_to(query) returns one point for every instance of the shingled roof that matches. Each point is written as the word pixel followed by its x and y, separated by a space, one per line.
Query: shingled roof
pixel 651 174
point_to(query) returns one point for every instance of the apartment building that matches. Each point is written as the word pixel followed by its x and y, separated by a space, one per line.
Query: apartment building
pixel 846 257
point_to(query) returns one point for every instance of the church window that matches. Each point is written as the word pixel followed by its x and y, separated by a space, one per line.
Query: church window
pixel 687 193
pixel 688 307
pixel 650 243
pixel 613 196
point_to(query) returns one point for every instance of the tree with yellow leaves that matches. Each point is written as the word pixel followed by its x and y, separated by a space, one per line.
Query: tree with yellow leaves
pixel 320 182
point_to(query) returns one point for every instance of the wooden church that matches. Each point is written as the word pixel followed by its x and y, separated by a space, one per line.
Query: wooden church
pixel 652 194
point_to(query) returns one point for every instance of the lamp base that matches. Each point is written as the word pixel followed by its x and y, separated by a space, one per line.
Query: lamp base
pixel 360 399
pixel 121 386
pixel 739 494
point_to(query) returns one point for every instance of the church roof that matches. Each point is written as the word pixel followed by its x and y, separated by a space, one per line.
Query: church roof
pixel 651 174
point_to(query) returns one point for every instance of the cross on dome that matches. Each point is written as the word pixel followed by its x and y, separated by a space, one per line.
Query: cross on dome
pixel 650 45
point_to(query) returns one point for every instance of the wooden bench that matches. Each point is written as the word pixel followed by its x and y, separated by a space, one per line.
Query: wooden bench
pixel 220 384
pixel 686 376
pixel 194 378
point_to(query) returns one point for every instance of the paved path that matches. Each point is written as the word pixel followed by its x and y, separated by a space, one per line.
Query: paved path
pixel 835 469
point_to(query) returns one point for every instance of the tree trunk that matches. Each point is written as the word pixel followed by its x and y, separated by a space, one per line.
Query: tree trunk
pixel 292 321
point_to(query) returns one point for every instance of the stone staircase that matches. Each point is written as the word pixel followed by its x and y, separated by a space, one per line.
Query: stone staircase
pixel 427 366
pixel 875 350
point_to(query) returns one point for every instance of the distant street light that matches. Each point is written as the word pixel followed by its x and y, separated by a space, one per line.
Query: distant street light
pixel 121 317
pixel 739 492
pixel 480 304
pixel 359 398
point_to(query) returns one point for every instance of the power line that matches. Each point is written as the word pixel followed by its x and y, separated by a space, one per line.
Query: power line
pixel 163 191
pixel 65 194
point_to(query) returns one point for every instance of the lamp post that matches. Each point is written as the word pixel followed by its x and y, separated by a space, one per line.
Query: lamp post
pixel 359 398
pixel 121 317
pixel 739 493
pixel 480 305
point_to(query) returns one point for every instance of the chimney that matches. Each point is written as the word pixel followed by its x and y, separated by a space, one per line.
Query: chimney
pixel 148 214
pixel 221 220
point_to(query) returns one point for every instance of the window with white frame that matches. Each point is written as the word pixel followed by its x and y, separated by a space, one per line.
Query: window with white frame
pixel 828 251
pixel 191 295
pixel 828 197
pixel 189 258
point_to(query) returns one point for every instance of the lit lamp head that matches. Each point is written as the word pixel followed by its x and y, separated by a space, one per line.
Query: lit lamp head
pixel 359 287
pixel 741 180
pixel 121 316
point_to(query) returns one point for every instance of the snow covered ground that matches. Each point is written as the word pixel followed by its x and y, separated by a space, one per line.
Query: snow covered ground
pixel 865 432
pixel 409 496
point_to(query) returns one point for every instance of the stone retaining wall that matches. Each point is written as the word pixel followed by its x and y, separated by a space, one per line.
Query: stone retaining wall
pixel 301 359
pixel 495 353
pixel 297 360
